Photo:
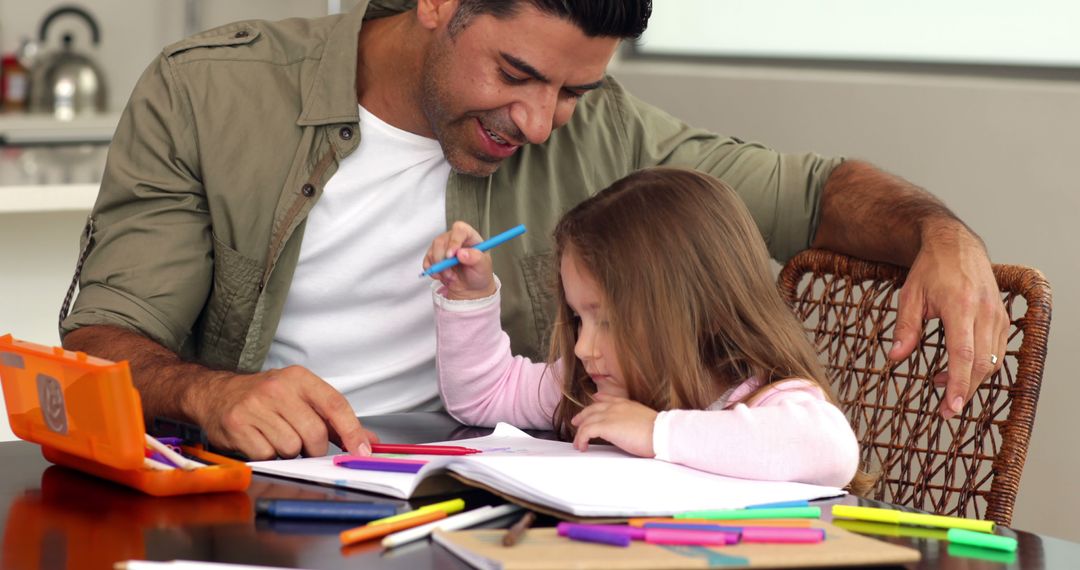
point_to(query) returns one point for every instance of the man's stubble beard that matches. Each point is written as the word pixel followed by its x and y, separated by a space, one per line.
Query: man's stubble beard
pixel 449 132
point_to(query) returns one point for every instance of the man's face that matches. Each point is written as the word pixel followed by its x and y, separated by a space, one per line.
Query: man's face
pixel 499 84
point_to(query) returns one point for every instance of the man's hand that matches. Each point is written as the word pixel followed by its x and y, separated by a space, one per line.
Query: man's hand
pixel 625 423
pixel 871 214
pixel 274 413
pixel 951 279
pixel 278 413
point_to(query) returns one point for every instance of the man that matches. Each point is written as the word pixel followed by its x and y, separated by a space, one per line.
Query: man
pixel 272 188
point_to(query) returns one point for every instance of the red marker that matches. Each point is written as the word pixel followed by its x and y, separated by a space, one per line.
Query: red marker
pixel 407 449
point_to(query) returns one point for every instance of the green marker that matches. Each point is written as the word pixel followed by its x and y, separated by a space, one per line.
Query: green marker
pixel 964 551
pixel 982 540
pixel 737 514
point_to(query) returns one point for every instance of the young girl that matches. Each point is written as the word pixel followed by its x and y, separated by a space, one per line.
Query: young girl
pixel 671 340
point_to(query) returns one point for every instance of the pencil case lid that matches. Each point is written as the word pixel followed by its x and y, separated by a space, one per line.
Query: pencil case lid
pixel 72 402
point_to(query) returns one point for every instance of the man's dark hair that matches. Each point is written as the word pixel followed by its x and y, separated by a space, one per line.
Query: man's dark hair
pixel 596 18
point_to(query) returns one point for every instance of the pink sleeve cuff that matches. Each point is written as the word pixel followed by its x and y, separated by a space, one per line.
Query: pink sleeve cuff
pixel 661 435
pixel 438 293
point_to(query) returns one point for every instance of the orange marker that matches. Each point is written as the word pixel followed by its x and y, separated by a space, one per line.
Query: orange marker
pixel 368 532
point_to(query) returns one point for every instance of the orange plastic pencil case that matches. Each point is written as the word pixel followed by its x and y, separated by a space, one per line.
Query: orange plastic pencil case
pixel 86 414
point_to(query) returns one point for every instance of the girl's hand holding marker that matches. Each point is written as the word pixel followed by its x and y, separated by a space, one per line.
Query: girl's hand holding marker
pixel 471 277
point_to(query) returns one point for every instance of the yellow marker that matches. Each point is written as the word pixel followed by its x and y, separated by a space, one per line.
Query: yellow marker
pixel 900 517
pixel 449 507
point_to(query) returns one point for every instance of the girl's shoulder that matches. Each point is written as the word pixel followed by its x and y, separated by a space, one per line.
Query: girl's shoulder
pixel 753 394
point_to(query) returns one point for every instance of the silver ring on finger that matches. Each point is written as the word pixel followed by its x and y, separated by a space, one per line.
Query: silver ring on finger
pixel 993 360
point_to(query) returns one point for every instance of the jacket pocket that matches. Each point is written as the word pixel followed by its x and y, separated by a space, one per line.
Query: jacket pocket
pixel 229 309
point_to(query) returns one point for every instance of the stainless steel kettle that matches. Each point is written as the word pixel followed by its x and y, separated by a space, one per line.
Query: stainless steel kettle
pixel 67 83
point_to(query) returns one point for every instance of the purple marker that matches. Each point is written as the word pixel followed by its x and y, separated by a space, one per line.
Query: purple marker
pixel 157 456
pixel 173 442
pixel 344 458
pixel 782 534
pixel 689 537
pixel 586 534
pixel 380 466
pixel 633 532
pixel 379 463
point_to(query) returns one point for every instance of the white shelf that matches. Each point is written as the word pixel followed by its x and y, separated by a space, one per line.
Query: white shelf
pixel 59 198
pixel 21 128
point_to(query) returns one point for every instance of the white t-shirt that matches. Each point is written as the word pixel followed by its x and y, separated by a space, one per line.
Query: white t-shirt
pixel 357 314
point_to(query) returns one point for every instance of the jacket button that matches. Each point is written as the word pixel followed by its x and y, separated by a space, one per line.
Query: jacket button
pixel 241 34
pixel 346 133
pixel 307 190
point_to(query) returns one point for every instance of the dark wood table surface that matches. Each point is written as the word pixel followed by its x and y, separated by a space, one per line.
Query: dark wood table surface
pixel 55 518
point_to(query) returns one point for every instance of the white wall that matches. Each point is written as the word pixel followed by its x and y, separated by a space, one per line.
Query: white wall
pixel 1039 32
pixel 1002 153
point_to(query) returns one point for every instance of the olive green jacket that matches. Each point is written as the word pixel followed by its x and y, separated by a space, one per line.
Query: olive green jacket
pixel 230 137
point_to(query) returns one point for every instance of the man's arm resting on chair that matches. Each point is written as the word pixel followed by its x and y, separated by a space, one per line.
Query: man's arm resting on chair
pixel 273 413
pixel 870 214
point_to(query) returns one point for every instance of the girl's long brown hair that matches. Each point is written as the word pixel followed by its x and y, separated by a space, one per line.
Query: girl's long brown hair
pixel 692 303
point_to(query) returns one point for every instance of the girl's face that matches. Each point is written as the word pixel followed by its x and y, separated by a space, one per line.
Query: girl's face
pixel 595 345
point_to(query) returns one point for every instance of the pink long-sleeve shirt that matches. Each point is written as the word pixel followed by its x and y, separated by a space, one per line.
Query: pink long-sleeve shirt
pixel 790 432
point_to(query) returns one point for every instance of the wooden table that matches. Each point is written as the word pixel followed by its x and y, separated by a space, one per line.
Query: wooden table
pixel 54 518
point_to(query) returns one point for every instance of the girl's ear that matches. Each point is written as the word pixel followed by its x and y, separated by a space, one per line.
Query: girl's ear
pixel 434 14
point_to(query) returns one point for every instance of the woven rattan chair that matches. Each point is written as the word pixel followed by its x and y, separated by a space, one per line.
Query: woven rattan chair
pixel 969 466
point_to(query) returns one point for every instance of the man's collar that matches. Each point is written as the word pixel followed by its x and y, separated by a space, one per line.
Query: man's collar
pixel 331 97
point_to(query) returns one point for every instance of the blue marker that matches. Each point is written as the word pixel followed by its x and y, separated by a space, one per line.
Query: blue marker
pixel 323 510
pixel 482 246
pixel 780 505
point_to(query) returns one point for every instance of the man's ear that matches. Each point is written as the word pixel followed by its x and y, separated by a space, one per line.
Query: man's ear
pixel 434 14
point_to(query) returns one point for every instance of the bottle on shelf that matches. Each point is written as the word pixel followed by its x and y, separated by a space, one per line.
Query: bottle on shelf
pixel 14 83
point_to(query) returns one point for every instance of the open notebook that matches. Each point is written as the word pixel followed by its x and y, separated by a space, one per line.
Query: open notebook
pixel 601 482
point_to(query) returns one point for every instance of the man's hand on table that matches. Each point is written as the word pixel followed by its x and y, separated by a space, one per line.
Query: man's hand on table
pixel 279 413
